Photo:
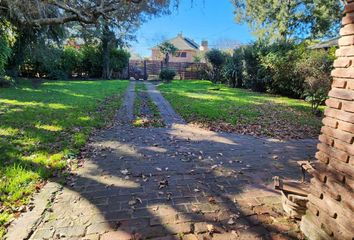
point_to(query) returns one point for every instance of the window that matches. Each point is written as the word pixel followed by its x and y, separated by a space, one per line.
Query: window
pixel 181 54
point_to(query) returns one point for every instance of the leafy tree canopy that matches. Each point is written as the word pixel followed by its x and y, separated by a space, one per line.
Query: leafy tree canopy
pixel 284 19
pixel 54 12
pixel 167 48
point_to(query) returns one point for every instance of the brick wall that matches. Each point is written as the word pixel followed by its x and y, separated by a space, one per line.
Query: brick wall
pixel 330 211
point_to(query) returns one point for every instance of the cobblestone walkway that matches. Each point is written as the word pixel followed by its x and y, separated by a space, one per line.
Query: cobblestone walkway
pixel 177 182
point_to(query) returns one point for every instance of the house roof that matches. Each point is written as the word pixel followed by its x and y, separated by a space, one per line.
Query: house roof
pixel 326 44
pixel 183 43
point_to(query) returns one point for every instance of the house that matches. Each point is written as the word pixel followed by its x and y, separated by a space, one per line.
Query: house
pixel 326 45
pixel 74 42
pixel 187 49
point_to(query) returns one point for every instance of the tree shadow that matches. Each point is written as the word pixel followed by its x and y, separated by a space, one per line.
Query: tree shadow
pixel 170 187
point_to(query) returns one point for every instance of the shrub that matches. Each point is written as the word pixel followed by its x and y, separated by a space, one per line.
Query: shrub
pixel 6 81
pixel 57 74
pixel 167 74
pixel 229 71
pixel 279 60
pixel 315 67
pixel 280 68
pixel 216 59
pixel 42 60
pixel 255 75
pixel 92 60
pixel 119 59
pixel 71 61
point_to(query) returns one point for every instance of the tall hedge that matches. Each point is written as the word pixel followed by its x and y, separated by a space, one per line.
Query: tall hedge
pixel 275 67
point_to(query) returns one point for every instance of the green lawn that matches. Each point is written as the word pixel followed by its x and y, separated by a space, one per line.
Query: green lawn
pixel 41 128
pixel 218 107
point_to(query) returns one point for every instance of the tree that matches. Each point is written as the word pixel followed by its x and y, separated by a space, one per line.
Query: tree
pixel 216 59
pixel 167 49
pixel 281 20
pixel 119 59
pixel 5 51
pixel 55 12
pixel 315 67
pixel 115 21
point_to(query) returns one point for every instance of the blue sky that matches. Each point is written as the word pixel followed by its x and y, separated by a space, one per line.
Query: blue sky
pixel 212 20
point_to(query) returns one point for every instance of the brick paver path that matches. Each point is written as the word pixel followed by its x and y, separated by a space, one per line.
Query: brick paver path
pixel 177 182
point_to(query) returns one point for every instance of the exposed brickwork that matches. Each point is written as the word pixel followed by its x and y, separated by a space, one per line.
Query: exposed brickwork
pixel 331 208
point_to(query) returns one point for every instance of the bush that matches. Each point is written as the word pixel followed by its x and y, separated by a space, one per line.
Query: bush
pixel 57 74
pixel 279 61
pixel 315 67
pixel 167 74
pixel 42 60
pixel 7 81
pixel 229 71
pixel 236 78
pixel 71 61
pixel 255 75
pixel 119 59
pixel 216 59
pixel 282 68
pixel 92 60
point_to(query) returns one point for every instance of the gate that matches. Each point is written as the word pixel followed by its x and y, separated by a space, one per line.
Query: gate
pixel 150 69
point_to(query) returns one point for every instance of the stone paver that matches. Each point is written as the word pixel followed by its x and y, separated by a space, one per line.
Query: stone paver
pixel 177 182
pixel 169 115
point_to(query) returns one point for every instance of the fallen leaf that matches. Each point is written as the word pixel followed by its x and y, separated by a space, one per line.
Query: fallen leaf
pixel 214 167
pixel 231 221
pixel 210 228
pixel 163 183
pixel 212 200
pixel 222 188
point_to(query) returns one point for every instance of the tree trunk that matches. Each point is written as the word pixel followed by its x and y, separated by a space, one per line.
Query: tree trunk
pixel 105 52
pixel 167 59
pixel 18 52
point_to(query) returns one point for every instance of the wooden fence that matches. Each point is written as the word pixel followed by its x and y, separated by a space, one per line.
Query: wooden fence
pixel 150 69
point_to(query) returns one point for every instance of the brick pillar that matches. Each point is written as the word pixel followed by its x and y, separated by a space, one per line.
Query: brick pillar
pixel 330 211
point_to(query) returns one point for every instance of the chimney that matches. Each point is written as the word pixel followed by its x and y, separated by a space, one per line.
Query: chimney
pixel 204 46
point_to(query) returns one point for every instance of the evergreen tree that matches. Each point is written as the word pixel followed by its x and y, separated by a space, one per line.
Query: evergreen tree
pixel 285 19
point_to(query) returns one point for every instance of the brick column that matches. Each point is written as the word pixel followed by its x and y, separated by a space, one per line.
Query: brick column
pixel 330 211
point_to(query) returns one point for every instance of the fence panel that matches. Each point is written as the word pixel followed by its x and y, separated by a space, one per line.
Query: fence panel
pixel 150 69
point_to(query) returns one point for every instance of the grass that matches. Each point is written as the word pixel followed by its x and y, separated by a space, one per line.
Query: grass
pixel 41 128
pixel 242 111
pixel 145 110
pixel 138 102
